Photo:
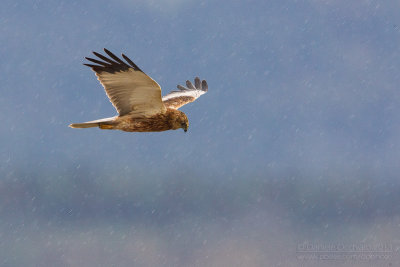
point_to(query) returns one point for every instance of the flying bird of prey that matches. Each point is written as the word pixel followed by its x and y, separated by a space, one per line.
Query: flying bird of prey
pixel 137 98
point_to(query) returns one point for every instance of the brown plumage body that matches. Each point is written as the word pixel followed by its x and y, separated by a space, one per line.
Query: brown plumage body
pixel 172 119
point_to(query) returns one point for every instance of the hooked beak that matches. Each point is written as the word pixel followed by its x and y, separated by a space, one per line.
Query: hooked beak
pixel 185 127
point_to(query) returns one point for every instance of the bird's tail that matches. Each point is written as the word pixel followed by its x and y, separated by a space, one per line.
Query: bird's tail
pixel 97 123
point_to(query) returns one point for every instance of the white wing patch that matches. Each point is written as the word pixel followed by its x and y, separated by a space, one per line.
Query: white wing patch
pixel 190 93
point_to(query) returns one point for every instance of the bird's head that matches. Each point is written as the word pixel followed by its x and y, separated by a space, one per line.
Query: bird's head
pixel 184 123
pixel 180 120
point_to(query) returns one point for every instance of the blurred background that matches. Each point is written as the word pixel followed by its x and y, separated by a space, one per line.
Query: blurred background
pixel 291 158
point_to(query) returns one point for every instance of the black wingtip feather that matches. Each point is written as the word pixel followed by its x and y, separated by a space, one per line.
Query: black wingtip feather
pixel 190 85
pixel 114 57
pixel 180 87
pixel 103 58
pixel 90 65
pixel 197 83
pixel 112 64
pixel 204 85
pixel 131 62
pixel 98 62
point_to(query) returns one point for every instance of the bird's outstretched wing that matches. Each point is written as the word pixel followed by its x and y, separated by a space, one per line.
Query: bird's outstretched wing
pixel 184 95
pixel 129 89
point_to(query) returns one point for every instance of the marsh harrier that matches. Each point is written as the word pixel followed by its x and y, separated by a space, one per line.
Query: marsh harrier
pixel 137 98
